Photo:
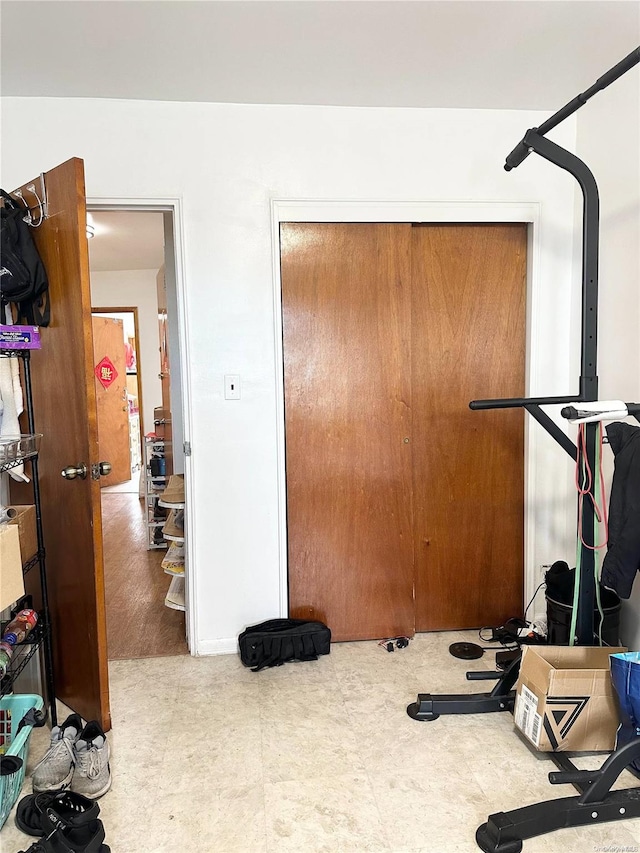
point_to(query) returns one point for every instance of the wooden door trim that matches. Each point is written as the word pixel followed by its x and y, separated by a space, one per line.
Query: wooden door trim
pixel 174 205
pixel 132 309
pixel 472 213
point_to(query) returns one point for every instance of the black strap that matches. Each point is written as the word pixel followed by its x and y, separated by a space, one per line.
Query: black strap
pixel 309 651
pixel 37 312
pixel 315 642
pixel 273 659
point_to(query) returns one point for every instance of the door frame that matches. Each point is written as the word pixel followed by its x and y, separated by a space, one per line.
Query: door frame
pixel 173 205
pixel 132 309
pixel 427 212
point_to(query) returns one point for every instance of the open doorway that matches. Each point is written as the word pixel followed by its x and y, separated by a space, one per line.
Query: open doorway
pixel 139 409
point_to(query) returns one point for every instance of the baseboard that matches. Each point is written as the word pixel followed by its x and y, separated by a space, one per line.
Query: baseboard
pixel 225 646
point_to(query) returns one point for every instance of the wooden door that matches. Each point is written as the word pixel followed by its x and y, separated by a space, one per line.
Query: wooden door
pixel 468 342
pixel 163 334
pixel 110 372
pixel 166 431
pixel 65 412
pixel 389 331
pixel 346 325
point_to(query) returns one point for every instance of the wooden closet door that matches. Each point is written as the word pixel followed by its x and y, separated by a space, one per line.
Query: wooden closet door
pixel 346 295
pixel 468 342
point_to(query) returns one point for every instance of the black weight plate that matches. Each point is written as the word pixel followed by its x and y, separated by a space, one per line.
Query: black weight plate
pixel 466 651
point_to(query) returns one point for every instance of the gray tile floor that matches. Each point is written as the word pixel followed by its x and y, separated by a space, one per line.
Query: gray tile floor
pixel 317 757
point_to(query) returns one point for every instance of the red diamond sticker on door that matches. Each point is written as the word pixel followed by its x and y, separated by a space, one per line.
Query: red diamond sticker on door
pixel 105 372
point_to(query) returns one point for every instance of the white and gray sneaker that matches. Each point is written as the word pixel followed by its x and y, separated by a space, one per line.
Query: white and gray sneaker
pixel 55 770
pixel 92 774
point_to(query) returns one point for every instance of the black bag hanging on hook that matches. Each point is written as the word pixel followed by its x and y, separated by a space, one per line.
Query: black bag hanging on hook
pixel 23 278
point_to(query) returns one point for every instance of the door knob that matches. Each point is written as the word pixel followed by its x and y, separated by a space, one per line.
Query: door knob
pixel 71 472
pixel 100 469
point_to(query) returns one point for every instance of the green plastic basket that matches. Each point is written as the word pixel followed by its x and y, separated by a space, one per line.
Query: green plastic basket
pixel 12 710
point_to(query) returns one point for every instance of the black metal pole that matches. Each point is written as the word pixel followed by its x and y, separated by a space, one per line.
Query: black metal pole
pixel 590 240
pixel 588 365
pixel 522 150
pixel 601 83
pixel 534 141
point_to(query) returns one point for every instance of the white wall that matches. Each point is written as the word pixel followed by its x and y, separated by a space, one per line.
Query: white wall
pixel 608 139
pixel 136 288
pixel 227 163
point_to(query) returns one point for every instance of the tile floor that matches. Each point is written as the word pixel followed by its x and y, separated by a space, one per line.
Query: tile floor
pixel 320 757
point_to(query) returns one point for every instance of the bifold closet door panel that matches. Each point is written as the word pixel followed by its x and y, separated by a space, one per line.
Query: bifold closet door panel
pixel 346 296
pixel 468 333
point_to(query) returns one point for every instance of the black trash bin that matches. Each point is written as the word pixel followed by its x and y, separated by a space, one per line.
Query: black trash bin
pixel 560 580
pixel 559 622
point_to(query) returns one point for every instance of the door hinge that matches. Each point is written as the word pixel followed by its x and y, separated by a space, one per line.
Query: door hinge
pixel 186 446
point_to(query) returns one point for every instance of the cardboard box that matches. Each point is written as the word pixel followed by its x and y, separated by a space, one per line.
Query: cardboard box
pixel 11 579
pixel 565 701
pixel 25 521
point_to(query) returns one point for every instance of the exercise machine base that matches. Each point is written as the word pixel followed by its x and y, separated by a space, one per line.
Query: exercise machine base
pixel 429 707
pixel 502 697
pixel 504 832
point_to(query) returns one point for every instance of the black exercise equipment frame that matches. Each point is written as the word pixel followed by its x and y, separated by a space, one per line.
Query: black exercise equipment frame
pixel 504 832
pixel 501 698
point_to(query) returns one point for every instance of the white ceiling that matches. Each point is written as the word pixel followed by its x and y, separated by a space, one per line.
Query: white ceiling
pixel 514 54
pixel 425 53
pixel 126 240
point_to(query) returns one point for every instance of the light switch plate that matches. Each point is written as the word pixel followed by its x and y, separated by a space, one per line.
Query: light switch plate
pixel 231 386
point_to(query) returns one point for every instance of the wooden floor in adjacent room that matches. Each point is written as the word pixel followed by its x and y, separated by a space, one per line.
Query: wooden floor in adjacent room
pixel 138 623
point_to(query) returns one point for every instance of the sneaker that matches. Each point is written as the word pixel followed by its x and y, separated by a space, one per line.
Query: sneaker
pixel 55 770
pixel 92 774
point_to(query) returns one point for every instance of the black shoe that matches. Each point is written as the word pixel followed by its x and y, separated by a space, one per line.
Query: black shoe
pixel 86 839
pixel 42 814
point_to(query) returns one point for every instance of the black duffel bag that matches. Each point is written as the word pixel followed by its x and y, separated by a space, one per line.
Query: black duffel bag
pixel 277 641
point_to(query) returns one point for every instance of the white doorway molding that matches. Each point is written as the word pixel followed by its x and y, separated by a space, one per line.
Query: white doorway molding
pixel 174 206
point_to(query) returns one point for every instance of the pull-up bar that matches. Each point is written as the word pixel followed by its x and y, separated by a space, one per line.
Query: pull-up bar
pixel 504 831
pixel 534 140
pixel 582 407
pixel 522 149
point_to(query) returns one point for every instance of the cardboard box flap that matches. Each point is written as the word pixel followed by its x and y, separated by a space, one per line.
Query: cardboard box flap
pixel 538 670
pixel 576 657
